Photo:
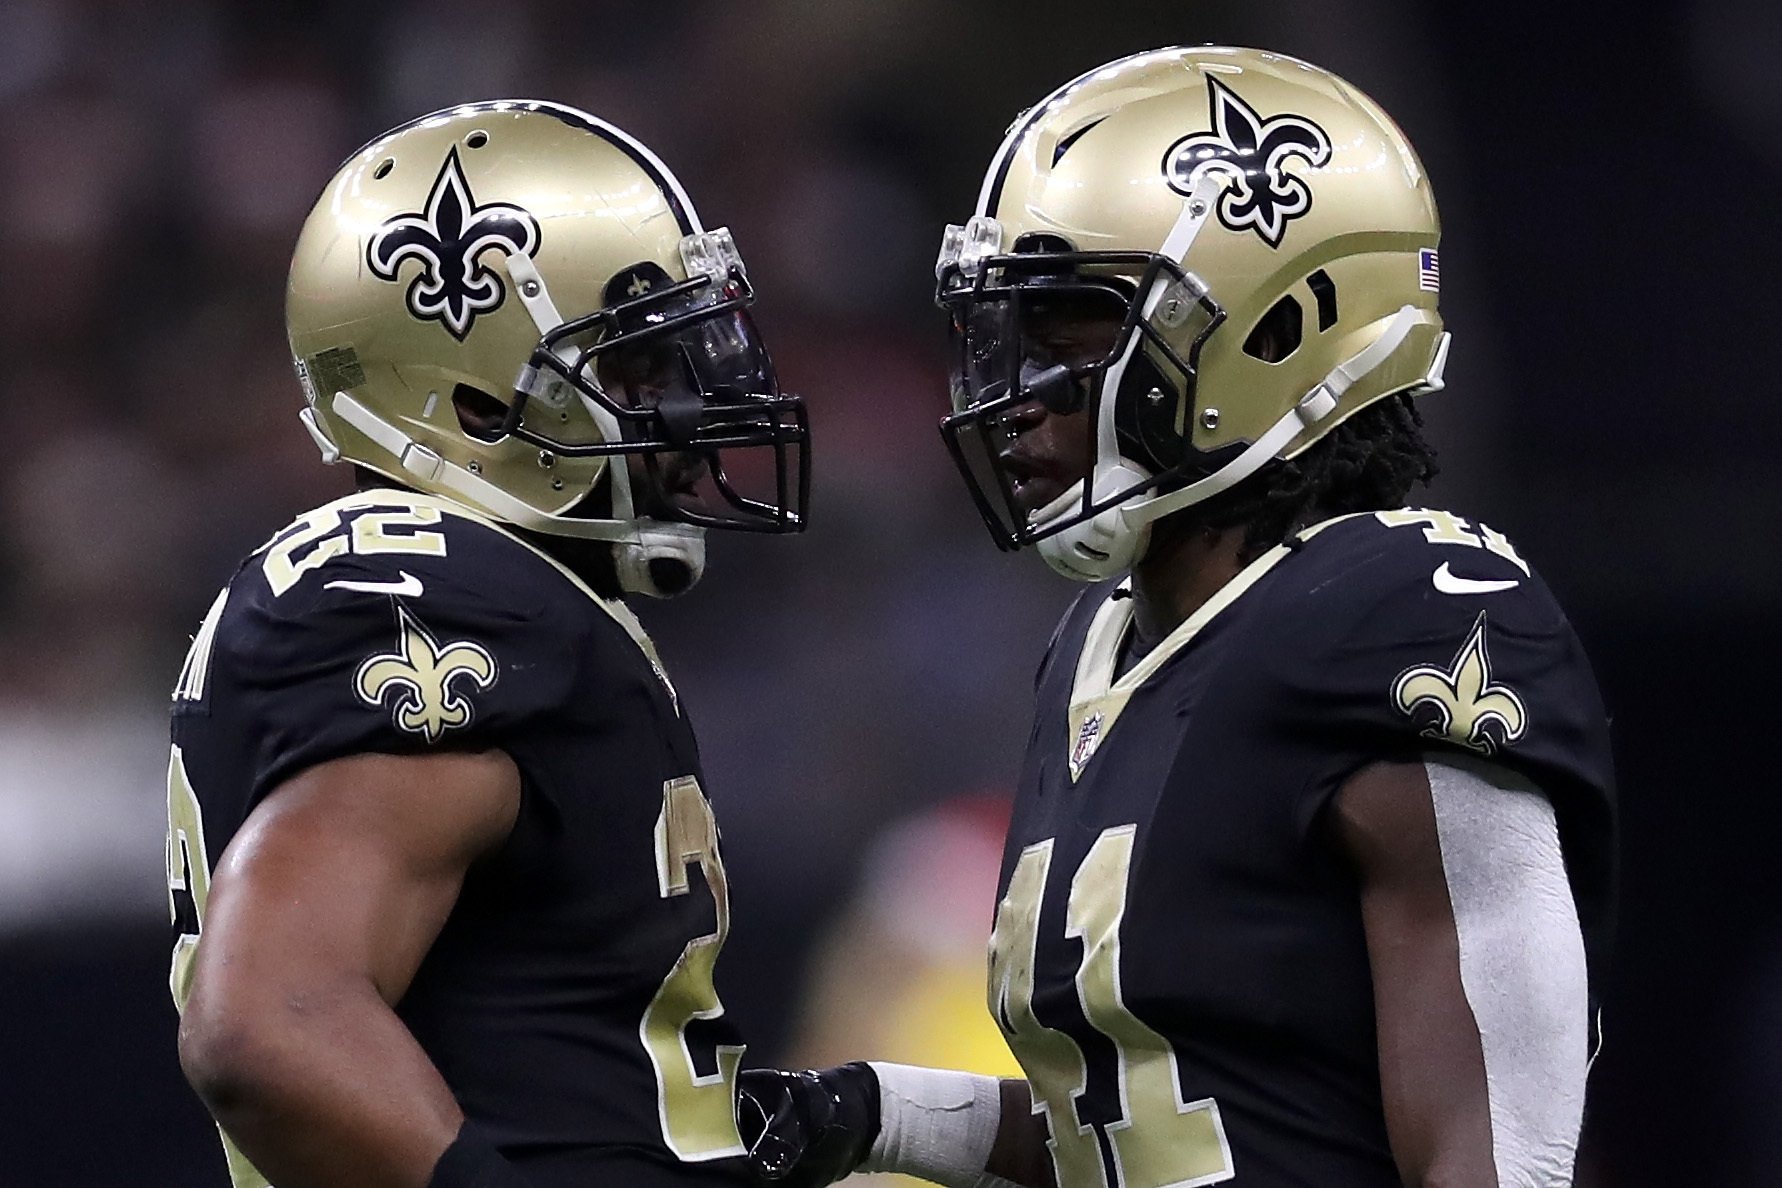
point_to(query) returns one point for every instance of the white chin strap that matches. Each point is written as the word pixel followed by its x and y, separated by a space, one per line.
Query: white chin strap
pixel 636 542
pixel 1114 540
pixel 643 549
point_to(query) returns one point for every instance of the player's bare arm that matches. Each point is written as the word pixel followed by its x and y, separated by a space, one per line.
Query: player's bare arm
pixel 1019 1153
pixel 321 909
pixel 1432 1072
pixel 1450 1123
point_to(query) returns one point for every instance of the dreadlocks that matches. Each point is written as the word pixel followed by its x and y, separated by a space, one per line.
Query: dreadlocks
pixel 1368 463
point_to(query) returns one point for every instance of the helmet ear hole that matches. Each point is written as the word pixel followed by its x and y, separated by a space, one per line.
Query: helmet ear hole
pixel 1277 333
pixel 480 415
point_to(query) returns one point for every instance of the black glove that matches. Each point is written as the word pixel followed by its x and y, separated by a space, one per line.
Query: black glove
pixel 807 1129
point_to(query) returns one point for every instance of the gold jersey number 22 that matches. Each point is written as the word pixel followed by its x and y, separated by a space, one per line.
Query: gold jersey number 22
pixel 696 1109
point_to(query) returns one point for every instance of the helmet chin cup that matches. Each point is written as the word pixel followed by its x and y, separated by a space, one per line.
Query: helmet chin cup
pixel 1099 548
pixel 1106 544
pixel 663 561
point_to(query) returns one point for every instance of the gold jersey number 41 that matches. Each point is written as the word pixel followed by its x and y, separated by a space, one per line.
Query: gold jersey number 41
pixel 1160 1140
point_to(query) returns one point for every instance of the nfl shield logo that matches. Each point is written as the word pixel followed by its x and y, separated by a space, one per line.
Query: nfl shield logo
pixel 1088 737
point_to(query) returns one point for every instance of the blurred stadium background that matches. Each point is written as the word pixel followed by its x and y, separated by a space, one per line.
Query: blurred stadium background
pixel 1609 182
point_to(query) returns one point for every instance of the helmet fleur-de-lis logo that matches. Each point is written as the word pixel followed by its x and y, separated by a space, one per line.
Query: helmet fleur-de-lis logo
pixel 1253 153
pixel 1463 697
pixel 422 673
pixel 448 239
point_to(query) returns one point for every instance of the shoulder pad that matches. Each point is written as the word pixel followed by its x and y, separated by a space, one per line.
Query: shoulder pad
pixel 1430 629
pixel 1449 539
pixel 400 543
pixel 1411 570
pixel 385 623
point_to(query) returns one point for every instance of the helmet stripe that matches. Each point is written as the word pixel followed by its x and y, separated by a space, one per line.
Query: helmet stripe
pixel 634 148
pixel 679 204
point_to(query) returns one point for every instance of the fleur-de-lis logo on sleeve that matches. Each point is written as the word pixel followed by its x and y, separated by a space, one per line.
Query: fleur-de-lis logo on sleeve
pixel 1465 700
pixel 422 674
pixel 449 238
pixel 1253 153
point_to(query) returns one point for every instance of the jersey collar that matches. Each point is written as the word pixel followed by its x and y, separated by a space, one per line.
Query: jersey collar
pixel 1097 698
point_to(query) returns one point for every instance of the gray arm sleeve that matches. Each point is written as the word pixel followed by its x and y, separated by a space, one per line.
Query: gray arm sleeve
pixel 1521 963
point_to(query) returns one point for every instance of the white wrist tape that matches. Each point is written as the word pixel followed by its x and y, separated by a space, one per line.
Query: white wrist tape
pixel 936 1125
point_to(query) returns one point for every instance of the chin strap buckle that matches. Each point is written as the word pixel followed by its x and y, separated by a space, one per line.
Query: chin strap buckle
pixel 421 462
pixel 1315 406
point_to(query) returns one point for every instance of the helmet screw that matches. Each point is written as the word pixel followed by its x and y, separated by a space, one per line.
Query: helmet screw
pixel 1197 209
pixel 1155 395
pixel 556 484
pixel 529 288
pixel 547 459
pixel 475 467
pixel 1209 419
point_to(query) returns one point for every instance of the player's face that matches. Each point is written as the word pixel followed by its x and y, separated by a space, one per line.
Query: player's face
pixel 645 375
pixel 1049 448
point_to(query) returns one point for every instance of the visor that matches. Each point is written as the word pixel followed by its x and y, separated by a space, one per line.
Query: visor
pixel 674 377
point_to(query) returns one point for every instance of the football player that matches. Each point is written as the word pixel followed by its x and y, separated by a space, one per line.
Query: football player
pixel 1309 876
pixel 446 880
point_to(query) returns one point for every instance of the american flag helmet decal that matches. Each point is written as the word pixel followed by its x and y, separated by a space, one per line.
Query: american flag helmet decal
pixel 1429 270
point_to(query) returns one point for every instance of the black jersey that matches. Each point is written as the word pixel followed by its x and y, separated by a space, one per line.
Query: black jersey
pixel 1179 961
pixel 568 1000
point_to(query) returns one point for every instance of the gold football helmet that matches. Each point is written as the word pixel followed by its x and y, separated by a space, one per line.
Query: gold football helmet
pixel 514 305
pixel 1267 241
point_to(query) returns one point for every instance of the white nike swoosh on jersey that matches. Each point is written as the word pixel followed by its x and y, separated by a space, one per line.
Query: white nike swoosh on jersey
pixel 1447 583
pixel 409 586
